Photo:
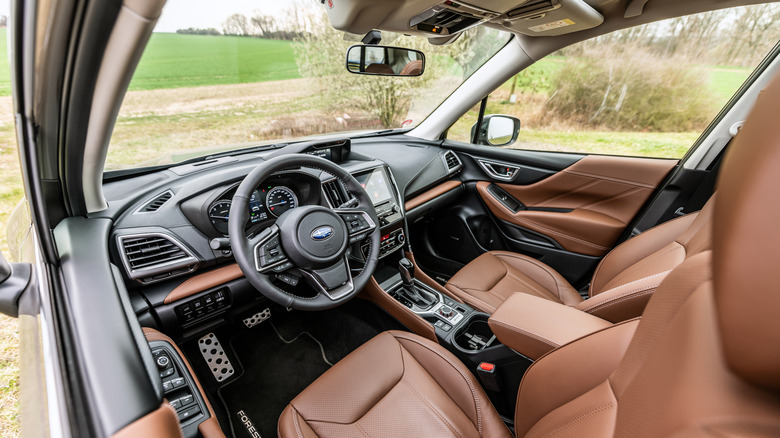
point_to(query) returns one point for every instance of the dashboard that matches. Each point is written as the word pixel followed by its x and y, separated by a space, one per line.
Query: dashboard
pixel 174 228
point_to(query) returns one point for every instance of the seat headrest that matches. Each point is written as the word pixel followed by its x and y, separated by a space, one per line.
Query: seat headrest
pixel 746 245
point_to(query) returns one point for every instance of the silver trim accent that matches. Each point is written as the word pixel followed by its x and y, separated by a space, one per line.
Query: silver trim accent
pixel 273 231
pixel 139 274
pixel 257 318
pixel 487 166
pixel 152 199
pixel 215 357
pixel 457 168
pixel 337 293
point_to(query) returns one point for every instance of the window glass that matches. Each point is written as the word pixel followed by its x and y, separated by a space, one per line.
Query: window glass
pixel 215 77
pixel 645 91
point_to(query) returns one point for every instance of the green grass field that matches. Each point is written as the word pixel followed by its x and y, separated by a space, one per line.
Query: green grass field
pixel 175 61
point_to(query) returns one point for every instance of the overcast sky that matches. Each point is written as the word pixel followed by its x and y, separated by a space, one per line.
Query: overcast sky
pixel 181 14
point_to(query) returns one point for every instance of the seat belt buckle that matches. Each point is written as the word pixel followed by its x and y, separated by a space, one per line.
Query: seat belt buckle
pixel 488 375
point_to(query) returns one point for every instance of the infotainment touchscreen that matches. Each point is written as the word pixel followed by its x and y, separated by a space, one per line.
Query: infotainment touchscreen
pixel 376 185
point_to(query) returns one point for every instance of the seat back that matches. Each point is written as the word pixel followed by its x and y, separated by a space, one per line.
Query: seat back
pixel 628 276
pixel 704 359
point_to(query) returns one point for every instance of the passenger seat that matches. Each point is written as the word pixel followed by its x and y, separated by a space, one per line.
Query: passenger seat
pixel 621 286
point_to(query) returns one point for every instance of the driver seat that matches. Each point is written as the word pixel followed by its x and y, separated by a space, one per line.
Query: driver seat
pixel 702 361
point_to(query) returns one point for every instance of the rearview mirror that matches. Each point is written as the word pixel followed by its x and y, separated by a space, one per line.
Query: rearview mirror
pixel 385 61
pixel 497 130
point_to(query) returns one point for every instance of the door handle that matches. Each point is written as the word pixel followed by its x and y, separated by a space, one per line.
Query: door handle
pixel 498 170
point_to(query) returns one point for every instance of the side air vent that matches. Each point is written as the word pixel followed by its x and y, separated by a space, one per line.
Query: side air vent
pixel 452 161
pixel 156 203
pixel 154 257
pixel 335 193
pixel 533 9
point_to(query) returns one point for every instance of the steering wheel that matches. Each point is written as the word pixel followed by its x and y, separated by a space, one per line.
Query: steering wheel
pixel 311 238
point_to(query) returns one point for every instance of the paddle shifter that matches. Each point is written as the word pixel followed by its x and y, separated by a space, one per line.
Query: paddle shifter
pixel 422 298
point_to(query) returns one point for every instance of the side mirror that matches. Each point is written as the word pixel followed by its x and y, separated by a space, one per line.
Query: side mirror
pixel 497 130
pixel 384 61
pixel 14 280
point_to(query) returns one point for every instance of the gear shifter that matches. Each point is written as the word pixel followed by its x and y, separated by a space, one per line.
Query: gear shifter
pixel 406 268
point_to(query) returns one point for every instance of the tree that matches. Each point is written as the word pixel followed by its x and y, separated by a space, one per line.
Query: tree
pixel 236 24
pixel 264 25
pixel 320 55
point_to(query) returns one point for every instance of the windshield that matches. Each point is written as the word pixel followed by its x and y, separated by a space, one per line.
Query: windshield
pixel 210 82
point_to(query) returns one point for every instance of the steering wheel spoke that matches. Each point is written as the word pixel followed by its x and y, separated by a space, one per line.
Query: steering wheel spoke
pixel 359 223
pixel 334 282
pixel 268 254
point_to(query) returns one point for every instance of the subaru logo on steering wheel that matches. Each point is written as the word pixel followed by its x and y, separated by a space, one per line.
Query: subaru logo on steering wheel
pixel 322 233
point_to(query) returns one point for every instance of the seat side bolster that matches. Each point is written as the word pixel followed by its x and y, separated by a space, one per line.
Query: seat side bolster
pixel 637 248
pixel 570 371
pixel 293 425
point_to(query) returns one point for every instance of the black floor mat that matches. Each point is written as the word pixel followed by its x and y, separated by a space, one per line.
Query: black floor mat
pixel 281 357
pixel 275 373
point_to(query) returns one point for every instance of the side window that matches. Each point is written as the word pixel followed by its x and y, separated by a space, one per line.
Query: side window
pixel 648 91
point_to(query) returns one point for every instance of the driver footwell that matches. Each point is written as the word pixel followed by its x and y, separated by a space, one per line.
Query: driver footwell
pixel 282 356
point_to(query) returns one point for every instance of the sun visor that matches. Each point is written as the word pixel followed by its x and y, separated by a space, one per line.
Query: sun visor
pixel 550 17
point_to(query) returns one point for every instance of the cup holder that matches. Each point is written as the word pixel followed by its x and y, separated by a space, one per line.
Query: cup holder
pixel 476 336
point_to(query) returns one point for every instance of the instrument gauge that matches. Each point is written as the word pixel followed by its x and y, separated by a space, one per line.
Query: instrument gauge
pixel 218 215
pixel 280 199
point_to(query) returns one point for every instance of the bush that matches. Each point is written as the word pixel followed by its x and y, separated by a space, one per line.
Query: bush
pixel 667 95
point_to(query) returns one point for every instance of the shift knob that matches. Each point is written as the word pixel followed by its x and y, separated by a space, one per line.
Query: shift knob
pixel 406 267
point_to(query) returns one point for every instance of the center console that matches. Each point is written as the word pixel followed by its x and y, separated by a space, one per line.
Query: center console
pixel 460 328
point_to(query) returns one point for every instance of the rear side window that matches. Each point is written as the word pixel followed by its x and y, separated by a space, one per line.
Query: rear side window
pixel 646 91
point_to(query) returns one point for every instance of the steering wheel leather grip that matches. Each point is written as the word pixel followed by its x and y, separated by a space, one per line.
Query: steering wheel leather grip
pixel 313 239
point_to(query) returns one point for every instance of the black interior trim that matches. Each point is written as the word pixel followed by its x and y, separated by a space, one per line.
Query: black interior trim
pixel 114 370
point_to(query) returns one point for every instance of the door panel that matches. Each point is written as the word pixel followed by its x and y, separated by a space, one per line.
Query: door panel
pixel 568 215
pixel 584 207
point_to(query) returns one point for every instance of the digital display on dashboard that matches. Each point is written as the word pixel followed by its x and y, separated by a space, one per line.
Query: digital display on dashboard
pixel 376 185
pixel 322 153
pixel 257 210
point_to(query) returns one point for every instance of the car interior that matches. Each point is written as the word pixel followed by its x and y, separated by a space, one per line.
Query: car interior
pixel 405 284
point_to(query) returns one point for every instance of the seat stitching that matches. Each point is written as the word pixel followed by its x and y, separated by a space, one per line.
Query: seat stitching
pixel 432 408
pixel 664 273
pixel 362 431
pixel 638 293
pixel 543 268
pixel 173 411
pixel 458 369
pixel 579 418
pixel 526 332
pixel 295 422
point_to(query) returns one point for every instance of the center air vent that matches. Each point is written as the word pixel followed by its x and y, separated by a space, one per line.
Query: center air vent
pixel 452 161
pixel 156 203
pixel 335 193
pixel 154 257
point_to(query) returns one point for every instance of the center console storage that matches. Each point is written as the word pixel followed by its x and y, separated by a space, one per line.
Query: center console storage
pixel 476 335
pixel 533 326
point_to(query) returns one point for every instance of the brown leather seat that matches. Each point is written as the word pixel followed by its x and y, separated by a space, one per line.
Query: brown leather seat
pixel 396 384
pixel 620 288
pixel 702 361
pixel 412 68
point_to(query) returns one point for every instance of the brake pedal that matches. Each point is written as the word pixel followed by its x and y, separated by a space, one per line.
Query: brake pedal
pixel 215 357
pixel 257 318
